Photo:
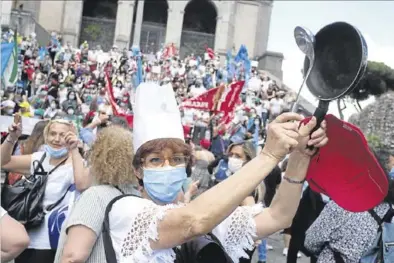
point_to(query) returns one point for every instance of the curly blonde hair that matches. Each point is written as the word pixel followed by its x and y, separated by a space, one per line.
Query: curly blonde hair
pixel 111 156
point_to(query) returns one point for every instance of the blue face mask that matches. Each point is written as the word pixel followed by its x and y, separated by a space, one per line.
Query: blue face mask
pixel 164 184
pixel 55 153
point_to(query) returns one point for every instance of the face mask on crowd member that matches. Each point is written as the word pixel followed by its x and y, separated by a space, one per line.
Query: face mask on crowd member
pixel 162 173
pixel 71 96
pixel 162 160
pixel 239 154
pixel 55 134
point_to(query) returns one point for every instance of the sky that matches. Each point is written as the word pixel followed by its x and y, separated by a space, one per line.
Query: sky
pixel 375 20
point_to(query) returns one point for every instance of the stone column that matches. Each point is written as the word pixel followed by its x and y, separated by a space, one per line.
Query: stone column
pixel 138 23
pixel 124 22
pixel 224 33
pixel 5 8
pixel 174 26
pixel 72 20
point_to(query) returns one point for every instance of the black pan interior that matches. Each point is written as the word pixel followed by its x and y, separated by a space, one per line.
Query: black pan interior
pixel 338 58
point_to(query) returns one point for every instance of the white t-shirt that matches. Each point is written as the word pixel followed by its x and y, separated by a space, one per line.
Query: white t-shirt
pixel 134 222
pixel 254 84
pixel 276 105
pixel 188 117
pixel 194 91
pixel 57 184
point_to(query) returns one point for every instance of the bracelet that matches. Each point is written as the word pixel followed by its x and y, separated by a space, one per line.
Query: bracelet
pixel 292 181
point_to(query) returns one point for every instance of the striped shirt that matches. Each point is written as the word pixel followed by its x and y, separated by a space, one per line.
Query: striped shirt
pixel 89 211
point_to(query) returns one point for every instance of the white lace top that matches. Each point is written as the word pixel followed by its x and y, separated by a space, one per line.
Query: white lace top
pixel 133 221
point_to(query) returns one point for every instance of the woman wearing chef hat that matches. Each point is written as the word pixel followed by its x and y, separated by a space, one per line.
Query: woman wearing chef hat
pixel 147 229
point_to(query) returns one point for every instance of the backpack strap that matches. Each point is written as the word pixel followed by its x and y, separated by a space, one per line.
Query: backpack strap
pixel 109 250
pixel 338 257
pixel 37 165
pixel 216 240
pixel 377 218
pixel 52 206
pixel 388 217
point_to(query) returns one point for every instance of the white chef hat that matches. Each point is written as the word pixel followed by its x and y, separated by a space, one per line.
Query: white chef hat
pixel 156 114
pixel 254 63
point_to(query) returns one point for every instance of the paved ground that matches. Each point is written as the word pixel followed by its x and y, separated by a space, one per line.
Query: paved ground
pixel 275 256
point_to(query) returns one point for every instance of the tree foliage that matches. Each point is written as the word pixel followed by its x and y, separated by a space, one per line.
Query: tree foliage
pixel 378 79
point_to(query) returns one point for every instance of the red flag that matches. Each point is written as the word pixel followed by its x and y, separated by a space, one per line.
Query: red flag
pixel 110 93
pixel 210 52
pixel 217 100
pixel 169 51
pixel 115 107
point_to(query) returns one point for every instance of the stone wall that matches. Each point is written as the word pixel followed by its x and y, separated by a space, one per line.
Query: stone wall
pixel 377 119
pixel 272 62
pixel 195 42
pixel 152 37
pixel 98 31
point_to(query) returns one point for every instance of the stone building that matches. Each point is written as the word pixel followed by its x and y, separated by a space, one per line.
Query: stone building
pixel 190 24
pixel 377 120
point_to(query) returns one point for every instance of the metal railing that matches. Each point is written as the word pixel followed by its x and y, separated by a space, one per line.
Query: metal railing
pixel 25 23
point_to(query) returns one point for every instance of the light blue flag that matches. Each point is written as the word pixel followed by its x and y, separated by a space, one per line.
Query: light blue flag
pixel 9 63
pixel 138 76
pixel 243 57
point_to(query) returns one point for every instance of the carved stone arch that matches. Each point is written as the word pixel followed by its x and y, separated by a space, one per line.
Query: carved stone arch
pixel 199 26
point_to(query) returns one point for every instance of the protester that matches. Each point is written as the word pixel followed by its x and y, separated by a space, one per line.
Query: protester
pixel 110 163
pixel 160 163
pixel 93 90
pixel 202 158
pixel 62 160
pixel 338 235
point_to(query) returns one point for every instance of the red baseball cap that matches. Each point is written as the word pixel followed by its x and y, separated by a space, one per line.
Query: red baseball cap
pixel 205 143
pixel 346 170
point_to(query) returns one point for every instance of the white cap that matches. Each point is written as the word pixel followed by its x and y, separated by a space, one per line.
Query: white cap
pixel 155 117
pixel 254 63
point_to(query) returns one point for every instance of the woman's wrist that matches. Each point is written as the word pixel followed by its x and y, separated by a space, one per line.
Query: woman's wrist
pixel 10 139
pixel 297 166
pixel 266 154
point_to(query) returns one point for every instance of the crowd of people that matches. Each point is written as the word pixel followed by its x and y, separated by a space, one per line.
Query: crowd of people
pixel 175 184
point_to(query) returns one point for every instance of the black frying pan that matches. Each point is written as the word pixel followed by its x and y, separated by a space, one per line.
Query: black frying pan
pixel 341 55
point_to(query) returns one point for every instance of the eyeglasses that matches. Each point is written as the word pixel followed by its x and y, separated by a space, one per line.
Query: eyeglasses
pixel 158 161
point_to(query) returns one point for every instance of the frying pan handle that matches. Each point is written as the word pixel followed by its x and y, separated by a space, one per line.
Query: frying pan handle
pixel 319 114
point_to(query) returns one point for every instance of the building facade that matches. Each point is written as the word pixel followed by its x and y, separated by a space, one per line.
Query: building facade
pixel 234 23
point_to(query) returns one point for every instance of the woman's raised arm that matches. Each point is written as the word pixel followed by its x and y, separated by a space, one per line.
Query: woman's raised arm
pixel 19 164
pixel 209 209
